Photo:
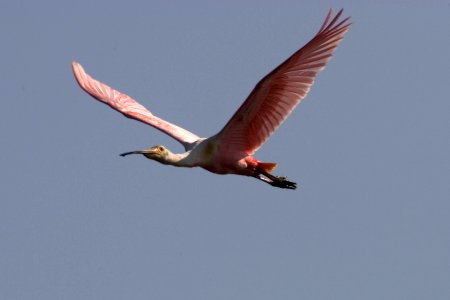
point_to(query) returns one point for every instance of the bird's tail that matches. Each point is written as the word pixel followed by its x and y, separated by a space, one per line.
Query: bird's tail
pixel 267 166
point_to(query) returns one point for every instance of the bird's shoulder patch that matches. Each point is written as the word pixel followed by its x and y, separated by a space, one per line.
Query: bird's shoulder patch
pixel 208 150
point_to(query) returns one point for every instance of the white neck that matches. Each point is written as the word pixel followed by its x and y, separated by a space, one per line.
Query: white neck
pixel 179 159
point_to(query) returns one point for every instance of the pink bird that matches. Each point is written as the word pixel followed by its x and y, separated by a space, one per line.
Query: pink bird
pixel 231 150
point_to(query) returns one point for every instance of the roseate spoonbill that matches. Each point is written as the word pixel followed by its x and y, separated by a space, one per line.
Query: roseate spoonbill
pixel 231 150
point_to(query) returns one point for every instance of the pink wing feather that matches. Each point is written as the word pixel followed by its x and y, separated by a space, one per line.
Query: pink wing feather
pixel 278 93
pixel 129 107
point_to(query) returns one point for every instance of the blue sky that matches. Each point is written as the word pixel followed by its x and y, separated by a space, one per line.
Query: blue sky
pixel 369 148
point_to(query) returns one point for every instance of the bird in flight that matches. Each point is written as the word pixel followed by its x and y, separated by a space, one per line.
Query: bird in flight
pixel 231 150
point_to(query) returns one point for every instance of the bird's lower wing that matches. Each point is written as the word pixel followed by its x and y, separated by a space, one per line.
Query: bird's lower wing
pixel 129 107
pixel 277 94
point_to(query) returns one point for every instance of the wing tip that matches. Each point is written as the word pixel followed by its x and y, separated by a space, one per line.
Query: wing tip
pixel 79 73
pixel 75 65
pixel 328 25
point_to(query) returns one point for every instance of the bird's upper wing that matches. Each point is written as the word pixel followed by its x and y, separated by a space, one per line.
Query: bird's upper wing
pixel 278 93
pixel 129 107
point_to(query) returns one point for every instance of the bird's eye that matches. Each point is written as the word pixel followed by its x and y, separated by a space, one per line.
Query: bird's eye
pixel 160 148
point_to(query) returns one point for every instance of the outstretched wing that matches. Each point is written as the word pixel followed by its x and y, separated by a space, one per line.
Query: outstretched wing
pixel 129 107
pixel 277 94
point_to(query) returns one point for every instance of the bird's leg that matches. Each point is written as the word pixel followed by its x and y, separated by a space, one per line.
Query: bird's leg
pixel 277 181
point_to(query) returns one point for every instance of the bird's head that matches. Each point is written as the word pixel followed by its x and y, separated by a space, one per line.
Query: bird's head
pixel 158 153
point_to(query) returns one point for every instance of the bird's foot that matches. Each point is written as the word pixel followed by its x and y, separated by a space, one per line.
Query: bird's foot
pixel 282 182
pixel 277 181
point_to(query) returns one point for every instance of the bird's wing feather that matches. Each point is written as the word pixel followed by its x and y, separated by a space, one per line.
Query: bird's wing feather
pixel 278 93
pixel 129 107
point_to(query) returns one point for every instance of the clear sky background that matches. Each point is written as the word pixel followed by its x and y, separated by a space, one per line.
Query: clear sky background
pixel 369 148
